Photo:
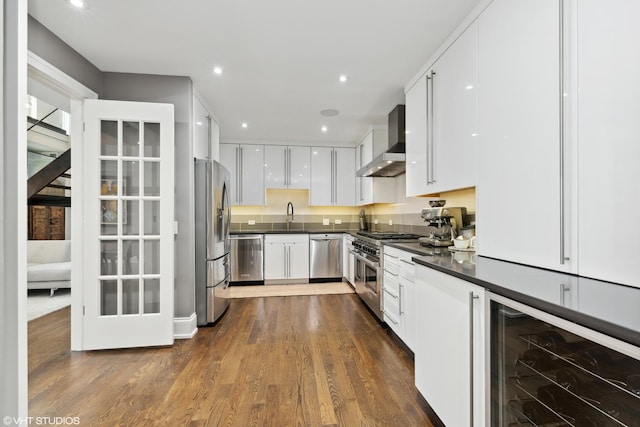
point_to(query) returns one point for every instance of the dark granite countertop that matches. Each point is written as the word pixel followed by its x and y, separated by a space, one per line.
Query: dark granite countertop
pixel 608 308
pixel 237 233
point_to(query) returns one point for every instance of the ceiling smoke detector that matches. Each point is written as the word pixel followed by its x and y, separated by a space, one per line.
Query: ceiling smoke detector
pixel 330 112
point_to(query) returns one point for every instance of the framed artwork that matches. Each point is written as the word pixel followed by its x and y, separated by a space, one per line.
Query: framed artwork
pixel 109 208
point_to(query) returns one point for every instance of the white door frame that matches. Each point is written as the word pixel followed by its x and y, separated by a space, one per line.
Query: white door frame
pixel 53 77
pixel 13 210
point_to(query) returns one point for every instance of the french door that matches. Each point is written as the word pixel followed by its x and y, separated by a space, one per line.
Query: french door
pixel 128 205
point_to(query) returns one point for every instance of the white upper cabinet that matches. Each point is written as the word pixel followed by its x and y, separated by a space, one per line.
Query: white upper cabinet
pixel 416 138
pixel 332 176
pixel 287 167
pixel 206 132
pixel 609 148
pixel 520 186
pixel 442 121
pixel 246 167
pixel 373 190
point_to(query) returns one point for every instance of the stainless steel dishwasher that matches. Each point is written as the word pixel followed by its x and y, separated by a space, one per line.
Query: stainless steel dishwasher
pixel 247 254
pixel 325 257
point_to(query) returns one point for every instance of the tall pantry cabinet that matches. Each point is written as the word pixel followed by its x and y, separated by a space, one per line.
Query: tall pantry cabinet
pixel 609 139
pixel 519 151
pixel 559 145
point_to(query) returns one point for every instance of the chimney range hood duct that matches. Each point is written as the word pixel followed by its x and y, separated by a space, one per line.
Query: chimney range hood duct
pixel 391 162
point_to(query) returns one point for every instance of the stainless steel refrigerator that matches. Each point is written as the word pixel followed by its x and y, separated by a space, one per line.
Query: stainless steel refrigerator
pixel 212 222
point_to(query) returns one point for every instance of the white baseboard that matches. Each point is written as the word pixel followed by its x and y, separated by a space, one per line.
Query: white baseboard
pixel 185 328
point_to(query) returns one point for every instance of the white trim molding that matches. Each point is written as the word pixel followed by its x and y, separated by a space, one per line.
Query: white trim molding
pixel 14 396
pixel 185 328
pixel 56 79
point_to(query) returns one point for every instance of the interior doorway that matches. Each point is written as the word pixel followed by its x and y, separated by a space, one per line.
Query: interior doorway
pixel 63 97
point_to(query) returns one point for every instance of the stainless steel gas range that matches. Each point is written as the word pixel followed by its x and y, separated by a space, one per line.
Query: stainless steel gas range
pixel 367 249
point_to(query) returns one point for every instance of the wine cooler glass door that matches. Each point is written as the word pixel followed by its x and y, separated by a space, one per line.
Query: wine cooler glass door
pixel 545 375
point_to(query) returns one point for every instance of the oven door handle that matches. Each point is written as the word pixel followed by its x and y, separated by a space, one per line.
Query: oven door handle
pixel 370 263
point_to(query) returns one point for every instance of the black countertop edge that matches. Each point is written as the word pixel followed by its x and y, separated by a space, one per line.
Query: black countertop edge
pixel 237 233
pixel 599 325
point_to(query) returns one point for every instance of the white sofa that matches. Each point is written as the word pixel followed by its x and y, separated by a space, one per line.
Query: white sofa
pixel 48 264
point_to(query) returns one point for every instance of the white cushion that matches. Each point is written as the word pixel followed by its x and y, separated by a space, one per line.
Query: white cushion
pixel 46 251
pixel 49 272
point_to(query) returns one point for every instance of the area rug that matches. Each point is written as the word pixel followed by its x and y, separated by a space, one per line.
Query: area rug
pixel 290 290
pixel 39 302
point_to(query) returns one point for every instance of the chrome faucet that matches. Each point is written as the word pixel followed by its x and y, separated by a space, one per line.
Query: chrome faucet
pixel 289 214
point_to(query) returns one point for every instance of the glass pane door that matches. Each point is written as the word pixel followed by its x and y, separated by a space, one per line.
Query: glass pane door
pixel 129 217
pixel 128 223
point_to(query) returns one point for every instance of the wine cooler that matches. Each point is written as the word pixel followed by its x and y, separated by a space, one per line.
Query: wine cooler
pixel 542 375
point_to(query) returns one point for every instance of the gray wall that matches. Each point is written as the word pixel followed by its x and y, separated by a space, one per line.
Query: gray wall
pixel 179 92
pixel 49 47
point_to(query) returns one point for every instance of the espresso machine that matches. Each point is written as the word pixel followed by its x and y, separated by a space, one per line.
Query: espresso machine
pixel 442 224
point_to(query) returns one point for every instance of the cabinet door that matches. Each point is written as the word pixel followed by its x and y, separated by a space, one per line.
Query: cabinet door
pixel 201 131
pixel 274 260
pixel 298 263
pixel 275 161
pixel 299 166
pixel 449 356
pixel 608 139
pixel 229 154
pixel 345 181
pixel 519 133
pixel 454 83
pixel 321 193
pixel 252 174
pixel 416 138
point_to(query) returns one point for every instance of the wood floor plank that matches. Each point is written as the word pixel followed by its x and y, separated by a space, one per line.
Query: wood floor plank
pixel 319 360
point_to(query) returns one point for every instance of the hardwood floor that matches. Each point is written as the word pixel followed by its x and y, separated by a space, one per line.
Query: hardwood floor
pixel 278 361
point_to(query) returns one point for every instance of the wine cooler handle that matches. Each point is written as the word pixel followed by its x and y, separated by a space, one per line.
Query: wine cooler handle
pixel 471 386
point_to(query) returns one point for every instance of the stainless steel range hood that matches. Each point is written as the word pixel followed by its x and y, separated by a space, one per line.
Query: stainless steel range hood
pixel 392 162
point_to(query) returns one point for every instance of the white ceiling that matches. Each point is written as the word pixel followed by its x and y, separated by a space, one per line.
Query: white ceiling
pixel 281 59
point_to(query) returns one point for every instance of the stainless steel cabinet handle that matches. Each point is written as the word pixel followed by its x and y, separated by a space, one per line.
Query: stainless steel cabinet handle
pixel 237 200
pixel 241 174
pixel 400 299
pixel 428 121
pixel 289 166
pixel 472 297
pixel 391 293
pixel 407 262
pixel 335 179
pixel 430 147
pixel 563 291
pixel 391 318
pixel 563 257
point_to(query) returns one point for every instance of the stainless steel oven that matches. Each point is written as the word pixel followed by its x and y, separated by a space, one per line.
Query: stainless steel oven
pixel 368 273
pixel 368 278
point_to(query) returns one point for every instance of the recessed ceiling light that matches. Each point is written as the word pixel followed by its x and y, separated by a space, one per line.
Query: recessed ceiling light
pixel 323 128
pixel 329 112
pixel 469 87
pixel 199 123
pixel 342 78
pixel 77 3
pixel 389 161
pixel 245 125
pixel 217 70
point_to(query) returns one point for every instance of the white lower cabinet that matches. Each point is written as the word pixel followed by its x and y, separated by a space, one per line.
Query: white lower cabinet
pixel 399 294
pixel 286 258
pixel 450 363
pixel 348 261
